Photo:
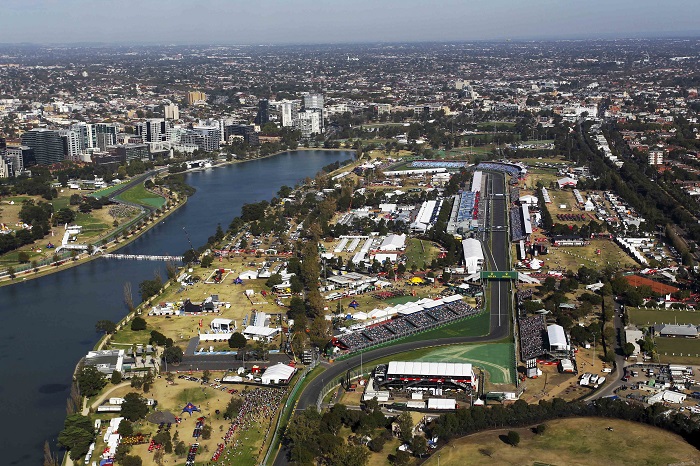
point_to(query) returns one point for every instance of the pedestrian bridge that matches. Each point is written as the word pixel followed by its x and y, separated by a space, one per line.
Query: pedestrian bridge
pixel 143 257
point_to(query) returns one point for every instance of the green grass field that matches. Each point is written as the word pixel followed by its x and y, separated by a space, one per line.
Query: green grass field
pixel 646 317
pixel 678 350
pixel 581 441
pixel 420 255
pixel 471 327
pixel 139 195
pixel 494 358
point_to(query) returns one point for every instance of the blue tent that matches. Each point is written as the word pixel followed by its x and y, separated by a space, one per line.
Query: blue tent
pixel 354 304
pixel 190 408
pixel 238 281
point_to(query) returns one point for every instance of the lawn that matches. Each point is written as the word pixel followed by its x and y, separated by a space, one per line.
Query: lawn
pixel 678 350
pixel 581 441
pixel 139 195
pixel 494 358
pixel 420 253
pixel 572 258
pixel 647 317
pixel 106 191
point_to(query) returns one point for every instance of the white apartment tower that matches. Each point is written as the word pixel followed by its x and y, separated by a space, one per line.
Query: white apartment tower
pixel 171 112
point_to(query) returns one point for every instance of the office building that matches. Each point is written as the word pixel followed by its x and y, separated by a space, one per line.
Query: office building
pixel 128 152
pixel 21 157
pixel 5 168
pixel 247 132
pixel 206 138
pixel 194 97
pixel 47 145
pixel 171 112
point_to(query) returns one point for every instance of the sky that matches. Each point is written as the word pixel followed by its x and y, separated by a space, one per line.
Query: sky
pixel 338 21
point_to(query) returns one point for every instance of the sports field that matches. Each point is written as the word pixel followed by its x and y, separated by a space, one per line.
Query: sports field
pixel 648 317
pixel 494 358
pixel 678 350
pixel 581 441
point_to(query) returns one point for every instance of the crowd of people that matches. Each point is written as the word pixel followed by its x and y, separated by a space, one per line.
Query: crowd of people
pixel 257 412
pixel 517 231
pixel 406 325
pixel 438 164
pixel 512 170
pixel 514 194
pixel 531 330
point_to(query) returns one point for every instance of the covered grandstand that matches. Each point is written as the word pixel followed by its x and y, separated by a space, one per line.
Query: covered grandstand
pixel 520 223
pixel 476 181
pixel 514 169
pixel 465 213
pixel 427 216
pixel 418 374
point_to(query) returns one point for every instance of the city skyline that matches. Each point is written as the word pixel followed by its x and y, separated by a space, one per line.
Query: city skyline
pixel 306 22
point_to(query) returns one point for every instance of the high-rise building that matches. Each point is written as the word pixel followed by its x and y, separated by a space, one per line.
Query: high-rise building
pixel 21 157
pixel 5 168
pixel 247 132
pixel 71 145
pixel 46 143
pixel 129 152
pixel 308 122
pixel 86 139
pixel 196 96
pixel 263 115
pixel 104 134
pixel 207 138
pixel 314 102
pixel 288 111
pixel 171 112
pixel 153 130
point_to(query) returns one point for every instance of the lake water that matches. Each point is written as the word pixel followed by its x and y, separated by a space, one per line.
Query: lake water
pixel 48 323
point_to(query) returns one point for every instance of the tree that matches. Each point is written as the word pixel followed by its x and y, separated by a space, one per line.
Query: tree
pixel 513 438
pixel 539 430
pixel 149 288
pixel 126 428
pixel 628 349
pixel 173 355
pixel 12 273
pixel 134 407
pixel 23 257
pixel 116 377
pixel 405 423
pixel 275 279
pixel 77 435
pixel 401 458
pixel 49 458
pixel 207 260
pixel 419 446
pixel 237 340
pixel 90 381
pixel 106 326
pixel 138 324
pixel 206 432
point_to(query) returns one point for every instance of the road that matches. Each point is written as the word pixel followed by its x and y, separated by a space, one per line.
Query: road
pixel 499 293
pixel 614 379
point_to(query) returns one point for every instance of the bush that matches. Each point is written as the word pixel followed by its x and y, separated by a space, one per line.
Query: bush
pixel 513 438
pixel 539 430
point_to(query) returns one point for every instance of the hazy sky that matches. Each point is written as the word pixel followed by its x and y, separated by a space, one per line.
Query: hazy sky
pixel 331 21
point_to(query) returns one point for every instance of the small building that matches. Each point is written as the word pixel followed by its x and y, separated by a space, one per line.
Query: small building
pixel 473 255
pixel 260 333
pixel 632 335
pixel 222 325
pixel 277 374
pixel 393 243
pixel 676 331
pixel 568 240
pixel 106 361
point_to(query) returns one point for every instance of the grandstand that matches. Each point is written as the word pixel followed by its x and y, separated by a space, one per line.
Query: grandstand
pixel 410 374
pixel 401 320
pixel 516 170
pixel 545 196
pixel 449 165
pixel 527 224
pixel 465 213
pixel 517 229
pixel 531 331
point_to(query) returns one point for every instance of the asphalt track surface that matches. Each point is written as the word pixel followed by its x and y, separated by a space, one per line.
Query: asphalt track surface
pixel 499 292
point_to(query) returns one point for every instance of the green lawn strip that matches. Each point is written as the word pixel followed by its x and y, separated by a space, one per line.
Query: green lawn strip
pixel 128 336
pixel 105 192
pixel 647 317
pixel 470 327
pixel 418 255
pixel 678 350
pixel 139 195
